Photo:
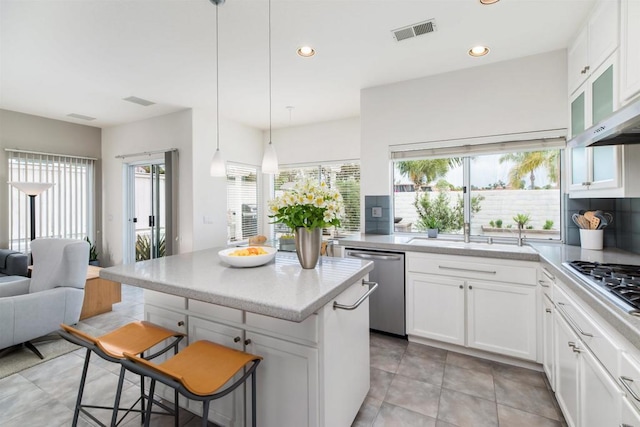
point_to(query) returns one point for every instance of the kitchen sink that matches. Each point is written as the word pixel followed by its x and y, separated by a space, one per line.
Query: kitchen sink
pixel 457 244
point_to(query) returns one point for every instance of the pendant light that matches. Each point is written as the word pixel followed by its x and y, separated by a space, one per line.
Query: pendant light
pixel 270 159
pixel 218 166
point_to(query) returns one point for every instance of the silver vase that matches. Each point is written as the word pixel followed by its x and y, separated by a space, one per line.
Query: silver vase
pixel 308 243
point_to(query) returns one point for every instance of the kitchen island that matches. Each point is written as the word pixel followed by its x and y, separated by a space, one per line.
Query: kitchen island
pixel 316 358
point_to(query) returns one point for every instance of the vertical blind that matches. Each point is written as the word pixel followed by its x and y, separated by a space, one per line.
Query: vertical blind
pixel 66 210
pixel 345 177
pixel 242 202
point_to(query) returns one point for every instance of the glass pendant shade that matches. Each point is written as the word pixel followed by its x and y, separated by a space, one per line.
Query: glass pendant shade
pixel 270 160
pixel 218 165
pixel 32 188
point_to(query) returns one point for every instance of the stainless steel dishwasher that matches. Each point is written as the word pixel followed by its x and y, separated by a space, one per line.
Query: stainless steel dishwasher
pixel 386 305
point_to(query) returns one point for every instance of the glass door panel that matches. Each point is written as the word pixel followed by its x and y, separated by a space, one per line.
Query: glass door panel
pixel 577 115
pixel 578 166
pixel 604 163
pixel 149 219
pixel 602 96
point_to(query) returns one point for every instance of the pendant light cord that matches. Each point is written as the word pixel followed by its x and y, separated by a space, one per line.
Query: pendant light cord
pixel 217 86
pixel 270 106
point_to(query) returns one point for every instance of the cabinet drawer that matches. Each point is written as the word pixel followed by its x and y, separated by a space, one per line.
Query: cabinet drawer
pixel 306 330
pixel 593 335
pixel 164 300
pixel 546 280
pixel 473 268
pixel 629 378
pixel 215 311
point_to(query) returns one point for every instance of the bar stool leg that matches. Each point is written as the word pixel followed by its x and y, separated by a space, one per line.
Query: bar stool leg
pixel 147 418
pixel 83 378
pixel 116 404
pixel 205 413
pixel 253 399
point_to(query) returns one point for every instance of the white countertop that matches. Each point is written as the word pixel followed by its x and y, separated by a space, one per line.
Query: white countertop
pixel 281 288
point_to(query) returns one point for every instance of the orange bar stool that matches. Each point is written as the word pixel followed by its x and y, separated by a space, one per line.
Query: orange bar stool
pixel 133 338
pixel 199 372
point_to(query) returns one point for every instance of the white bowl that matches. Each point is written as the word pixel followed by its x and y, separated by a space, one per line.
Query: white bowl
pixel 247 261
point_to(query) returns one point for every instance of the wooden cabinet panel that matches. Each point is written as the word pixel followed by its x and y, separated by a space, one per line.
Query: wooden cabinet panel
pixel 99 294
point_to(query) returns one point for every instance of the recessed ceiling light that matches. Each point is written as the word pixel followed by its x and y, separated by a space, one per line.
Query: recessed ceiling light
pixel 306 51
pixel 478 51
pixel 489 1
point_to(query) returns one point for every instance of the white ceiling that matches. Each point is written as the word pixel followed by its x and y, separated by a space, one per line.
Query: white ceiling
pixel 83 56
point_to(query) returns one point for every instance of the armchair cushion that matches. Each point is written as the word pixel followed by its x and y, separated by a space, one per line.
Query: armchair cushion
pixel 13 285
pixel 13 263
pixel 58 262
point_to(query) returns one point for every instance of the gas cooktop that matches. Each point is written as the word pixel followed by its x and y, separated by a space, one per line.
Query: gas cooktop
pixel 619 282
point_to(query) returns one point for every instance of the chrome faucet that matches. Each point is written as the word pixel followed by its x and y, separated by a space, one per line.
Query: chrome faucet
pixel 467 232
pixel 520 238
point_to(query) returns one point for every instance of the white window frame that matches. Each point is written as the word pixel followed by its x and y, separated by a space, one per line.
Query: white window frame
pixel 259 202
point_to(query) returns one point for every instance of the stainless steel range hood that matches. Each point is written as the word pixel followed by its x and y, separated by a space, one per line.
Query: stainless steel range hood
pixel 622 127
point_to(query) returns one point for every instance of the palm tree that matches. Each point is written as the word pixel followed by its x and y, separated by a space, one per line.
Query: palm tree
pixel 425 171
pixel 528 162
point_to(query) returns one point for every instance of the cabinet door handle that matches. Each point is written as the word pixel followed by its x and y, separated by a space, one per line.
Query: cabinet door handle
pixel 549 275
pixel 362 298
pixel 587 68
pixel 548 310
pixel 470 287
pixel 444 267
pixel 247 341
pixel 181 323
pixel 583 71
pixel 237 339
pixel 625 383
pixel 461 287
pixel 577 349
pixel 571 321
pixel 571 344
pixel 542 284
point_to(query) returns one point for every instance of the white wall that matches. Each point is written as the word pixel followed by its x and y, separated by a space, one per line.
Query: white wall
pixel 320 142
pixel 238 144
pixel 158 133
pixel 33 133
pixel 522 95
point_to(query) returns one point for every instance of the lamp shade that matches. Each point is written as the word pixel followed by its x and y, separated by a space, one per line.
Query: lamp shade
pixel 218 166
pixel 270 160
pixel 32 188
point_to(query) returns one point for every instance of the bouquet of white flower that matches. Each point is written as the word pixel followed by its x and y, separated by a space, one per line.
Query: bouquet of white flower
pixel 309 205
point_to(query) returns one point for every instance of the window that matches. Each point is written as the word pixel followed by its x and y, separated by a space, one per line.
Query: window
pixel 505 188
pixel 242 202
pixel 65 211
pixel 345 177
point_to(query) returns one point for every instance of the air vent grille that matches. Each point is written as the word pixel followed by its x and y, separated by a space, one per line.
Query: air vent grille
pixel 414 30
pixel 139 101
pixel 80 116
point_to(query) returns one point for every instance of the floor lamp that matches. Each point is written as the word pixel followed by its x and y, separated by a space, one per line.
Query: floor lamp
pixel 32 189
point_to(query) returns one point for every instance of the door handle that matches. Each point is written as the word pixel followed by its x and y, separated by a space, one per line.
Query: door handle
pixel 151 220
pixel 373 257
pixel 625 382
pixel 362 298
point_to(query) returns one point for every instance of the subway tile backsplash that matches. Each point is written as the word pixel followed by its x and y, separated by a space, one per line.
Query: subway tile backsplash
pixel 382 224
pixel 624 233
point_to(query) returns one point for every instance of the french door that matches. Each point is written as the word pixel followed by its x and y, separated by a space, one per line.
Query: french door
pixel 148 212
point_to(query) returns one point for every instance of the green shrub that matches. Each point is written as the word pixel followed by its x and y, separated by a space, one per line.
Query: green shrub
pixel 548 225
pixel 143 247
pixel 498 223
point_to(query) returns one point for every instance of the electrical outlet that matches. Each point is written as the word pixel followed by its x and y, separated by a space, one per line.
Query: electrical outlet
pixel 376 212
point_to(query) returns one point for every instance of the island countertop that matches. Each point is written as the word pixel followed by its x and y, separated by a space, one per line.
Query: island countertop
pixel 280 288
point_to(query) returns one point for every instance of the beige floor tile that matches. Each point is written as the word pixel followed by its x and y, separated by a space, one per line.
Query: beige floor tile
pixel 528 398
pixel 417 396
pixel 422 369
pixel 380 382
pixel 469 362
pixel 464 410
pixel 516 373
pixel 468 381
pixel 511 417
pixel 395 416
pixel 368 412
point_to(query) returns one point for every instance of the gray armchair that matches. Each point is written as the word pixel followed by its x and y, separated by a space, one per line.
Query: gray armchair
pixel 31 308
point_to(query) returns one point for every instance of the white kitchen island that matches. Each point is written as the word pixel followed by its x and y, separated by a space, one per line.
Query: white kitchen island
pixel 316 358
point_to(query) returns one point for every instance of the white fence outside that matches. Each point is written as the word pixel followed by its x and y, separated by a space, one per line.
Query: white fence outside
pixel 541 205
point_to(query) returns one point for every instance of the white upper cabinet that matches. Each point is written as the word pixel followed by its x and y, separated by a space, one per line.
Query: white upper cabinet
pixel 630 50
pixel 594 43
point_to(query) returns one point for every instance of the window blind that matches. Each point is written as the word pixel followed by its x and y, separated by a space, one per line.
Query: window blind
pixel 242 202
pixel 345 177
pixel 66 210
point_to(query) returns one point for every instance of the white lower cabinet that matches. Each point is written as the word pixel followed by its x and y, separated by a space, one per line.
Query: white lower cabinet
pixel 567 371
pixel 630 417
pixel 548 341
pixel 501 318
pixel 600 396
pixel 498 314
pixel 287 382
pixel 435 308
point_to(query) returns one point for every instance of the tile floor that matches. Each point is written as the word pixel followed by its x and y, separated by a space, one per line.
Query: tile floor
pixel 411 385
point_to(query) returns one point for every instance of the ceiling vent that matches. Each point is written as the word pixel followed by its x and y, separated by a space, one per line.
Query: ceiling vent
pixel 139 101
pixel 80 116
pixel 414 30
